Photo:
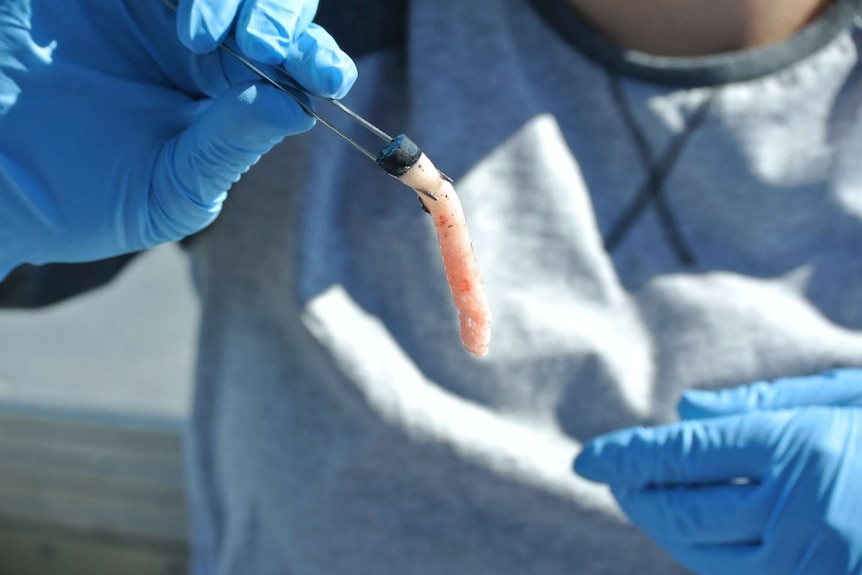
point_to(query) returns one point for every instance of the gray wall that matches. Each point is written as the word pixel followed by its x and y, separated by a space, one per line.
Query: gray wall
pixel 128 347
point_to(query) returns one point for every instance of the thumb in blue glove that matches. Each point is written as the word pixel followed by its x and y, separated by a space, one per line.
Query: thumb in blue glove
pixel 767 483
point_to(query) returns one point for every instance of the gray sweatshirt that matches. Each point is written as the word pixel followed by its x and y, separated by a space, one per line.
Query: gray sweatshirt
pixel 643 226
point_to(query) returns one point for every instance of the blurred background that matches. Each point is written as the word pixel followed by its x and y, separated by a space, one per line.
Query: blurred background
pixel 94 392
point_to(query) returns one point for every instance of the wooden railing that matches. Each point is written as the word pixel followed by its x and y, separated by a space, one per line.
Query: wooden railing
pixel 90 494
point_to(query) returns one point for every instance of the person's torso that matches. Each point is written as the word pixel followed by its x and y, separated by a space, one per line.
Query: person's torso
pixel 635 240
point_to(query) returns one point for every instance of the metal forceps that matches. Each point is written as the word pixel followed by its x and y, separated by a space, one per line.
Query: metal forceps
pixel 290 87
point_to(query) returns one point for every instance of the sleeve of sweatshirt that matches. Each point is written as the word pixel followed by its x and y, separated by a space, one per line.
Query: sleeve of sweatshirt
pixel 30 286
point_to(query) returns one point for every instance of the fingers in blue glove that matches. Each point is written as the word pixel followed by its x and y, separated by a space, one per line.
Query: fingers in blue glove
pixel 742 559
pixel 267 29
pixel 838 388
pixel 195 170
pixel 204 24
pixel 768 491
pixel 710 529
pixel 728 514
pixel 275 32
pixel 316 62
pixel 698 452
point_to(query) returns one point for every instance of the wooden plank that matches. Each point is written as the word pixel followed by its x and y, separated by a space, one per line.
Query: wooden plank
pixel 61 426
pixel 30 549
pixel 85 482
pixel 121 517
pixel 118 464
pixel 116 478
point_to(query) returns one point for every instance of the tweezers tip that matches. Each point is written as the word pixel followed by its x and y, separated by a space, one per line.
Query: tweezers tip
pixel 427 194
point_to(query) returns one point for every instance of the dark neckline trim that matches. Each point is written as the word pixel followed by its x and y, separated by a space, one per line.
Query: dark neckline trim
pixel 698 71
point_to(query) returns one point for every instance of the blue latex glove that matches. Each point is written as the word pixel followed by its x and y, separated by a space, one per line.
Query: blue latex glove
pixel 122 127
pixel 759 480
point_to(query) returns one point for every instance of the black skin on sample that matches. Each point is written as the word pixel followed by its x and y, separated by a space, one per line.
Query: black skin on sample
pixel 399 155
pixel 424 207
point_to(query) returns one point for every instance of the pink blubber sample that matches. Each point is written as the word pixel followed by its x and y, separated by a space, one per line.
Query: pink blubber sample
pixel 459 262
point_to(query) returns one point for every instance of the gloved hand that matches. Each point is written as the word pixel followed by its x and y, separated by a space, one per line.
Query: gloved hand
pixel 759 480
pixel 115 136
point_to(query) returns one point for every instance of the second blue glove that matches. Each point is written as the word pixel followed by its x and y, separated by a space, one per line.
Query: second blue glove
pixel 761 480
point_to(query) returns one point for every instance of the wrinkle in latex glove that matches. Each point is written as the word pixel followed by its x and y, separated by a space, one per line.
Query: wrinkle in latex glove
pixel 760 480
